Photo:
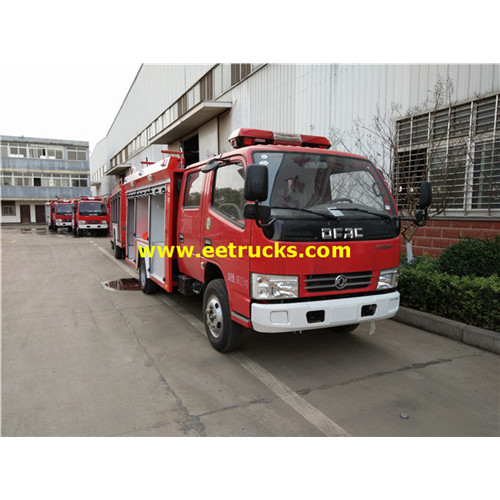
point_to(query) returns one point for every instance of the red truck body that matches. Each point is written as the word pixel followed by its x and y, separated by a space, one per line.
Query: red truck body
pixel 59 214
pixel 117 211
pixel 303 202
pixel 89 216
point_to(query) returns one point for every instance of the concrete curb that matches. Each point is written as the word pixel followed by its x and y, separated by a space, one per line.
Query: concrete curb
pixel 470 335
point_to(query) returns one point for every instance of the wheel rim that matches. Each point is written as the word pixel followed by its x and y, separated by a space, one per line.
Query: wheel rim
pixel 143 276
pixel 213 314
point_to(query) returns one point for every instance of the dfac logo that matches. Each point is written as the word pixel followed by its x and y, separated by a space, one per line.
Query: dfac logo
pixel 346 233
pixel 340 281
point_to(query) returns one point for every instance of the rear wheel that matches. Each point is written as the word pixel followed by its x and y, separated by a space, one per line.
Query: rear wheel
pixel 223 333
pixel 147 286
pixel 118 251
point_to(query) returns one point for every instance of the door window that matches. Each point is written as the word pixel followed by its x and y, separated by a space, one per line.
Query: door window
pixel 192 194
pixel 227 198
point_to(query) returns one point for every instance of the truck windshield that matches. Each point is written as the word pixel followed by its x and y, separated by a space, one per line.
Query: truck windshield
pixel 64 209
pixel 92 208
pixel 318 180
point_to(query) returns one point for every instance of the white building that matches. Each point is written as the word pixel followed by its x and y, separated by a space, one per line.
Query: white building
pixel 196 107
pixel 34 170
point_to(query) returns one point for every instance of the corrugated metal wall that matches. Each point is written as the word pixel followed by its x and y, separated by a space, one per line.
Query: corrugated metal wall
pixel 314 98
pixel 154 89
pixel 307 98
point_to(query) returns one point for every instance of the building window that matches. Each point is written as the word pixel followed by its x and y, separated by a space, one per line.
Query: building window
pixel 207 87
pixel 18 150
pixel 76 153
pixel 182 105
pixel 37 151
pixel 45 152
pixel 239 71
pixel 79 181
pixel 458 149
pixel 6 179
pixel 8 208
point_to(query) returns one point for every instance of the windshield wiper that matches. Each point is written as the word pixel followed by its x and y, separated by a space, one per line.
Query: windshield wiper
pixel 377 214
pixel 306 210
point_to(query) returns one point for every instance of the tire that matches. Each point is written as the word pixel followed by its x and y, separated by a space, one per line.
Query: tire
pixel 118 251
pixel 224 334
pixel 147 286
pixel 345 328
pixel 76 232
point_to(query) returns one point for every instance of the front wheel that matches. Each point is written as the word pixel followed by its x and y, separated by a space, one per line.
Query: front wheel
pixel 147 286
pixel 223 333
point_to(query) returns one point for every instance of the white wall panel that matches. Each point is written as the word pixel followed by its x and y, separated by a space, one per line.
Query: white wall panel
pixel 307 98
pixel 154 89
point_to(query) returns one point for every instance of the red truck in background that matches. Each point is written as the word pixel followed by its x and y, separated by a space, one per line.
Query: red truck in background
pixel 58 213
pixel 89 216
pixel 282 192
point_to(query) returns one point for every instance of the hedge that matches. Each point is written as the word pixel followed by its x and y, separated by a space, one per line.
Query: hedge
pixel 471 257
pixel 472 300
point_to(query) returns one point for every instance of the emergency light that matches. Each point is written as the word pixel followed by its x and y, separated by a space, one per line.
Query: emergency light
pixel 251 137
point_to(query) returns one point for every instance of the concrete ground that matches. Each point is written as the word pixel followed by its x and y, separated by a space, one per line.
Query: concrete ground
pixel 80 359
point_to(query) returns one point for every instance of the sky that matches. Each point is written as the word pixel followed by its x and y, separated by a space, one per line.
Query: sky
pixel 64 72
pixel 75 102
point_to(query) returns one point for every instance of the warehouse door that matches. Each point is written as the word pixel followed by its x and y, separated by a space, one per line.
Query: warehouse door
pixel 40 214
pixel 25 214
pixel 191 150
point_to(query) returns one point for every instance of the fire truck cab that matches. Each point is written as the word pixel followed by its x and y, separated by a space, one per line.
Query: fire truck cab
pixel 89 215
pixel 62 214
pixel 284 235
pixel 58 213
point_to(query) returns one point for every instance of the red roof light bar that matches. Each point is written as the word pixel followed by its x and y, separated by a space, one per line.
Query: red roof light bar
pixel 251 137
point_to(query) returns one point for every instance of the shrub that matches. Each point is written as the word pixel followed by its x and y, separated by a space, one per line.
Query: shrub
pixel 471 257
pixel 468 299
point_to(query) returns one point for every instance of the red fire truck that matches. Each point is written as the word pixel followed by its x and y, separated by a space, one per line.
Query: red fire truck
pixel 89 215
pixel 58 213
pixel 117 210
pixel 264 223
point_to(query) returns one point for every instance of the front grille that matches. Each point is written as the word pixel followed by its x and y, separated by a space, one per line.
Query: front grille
pixel 332 282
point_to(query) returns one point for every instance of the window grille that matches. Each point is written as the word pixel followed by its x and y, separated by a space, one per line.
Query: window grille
pixel 458 149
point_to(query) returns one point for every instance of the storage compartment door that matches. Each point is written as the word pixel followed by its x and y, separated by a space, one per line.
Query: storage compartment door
pixel 157 234
pixel 130 228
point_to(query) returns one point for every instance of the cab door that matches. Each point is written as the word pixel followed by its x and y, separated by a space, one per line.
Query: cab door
pixel 189 224
pixel 227 231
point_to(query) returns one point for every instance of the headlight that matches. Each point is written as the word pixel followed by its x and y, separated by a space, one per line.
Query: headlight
pixel 388 279
pixel 272 287
pixel 58 220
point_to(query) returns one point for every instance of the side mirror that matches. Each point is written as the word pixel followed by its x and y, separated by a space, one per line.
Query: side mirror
pixel 420 217
pixel 256 183
pixel 425 195
pixel 256 212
